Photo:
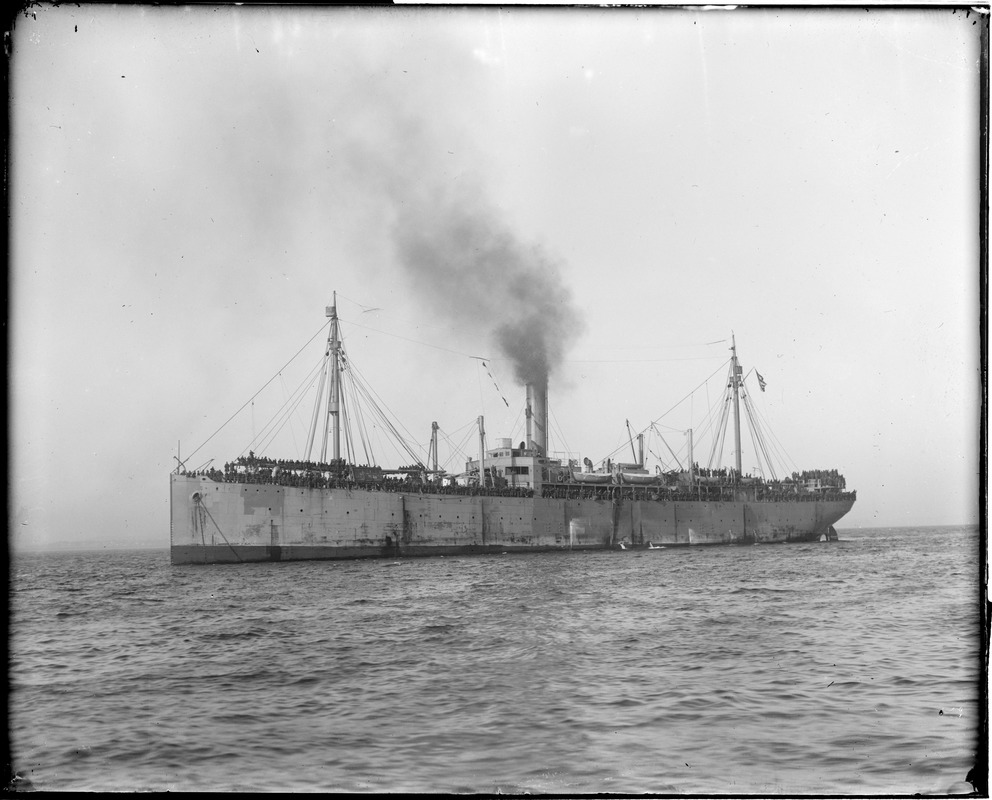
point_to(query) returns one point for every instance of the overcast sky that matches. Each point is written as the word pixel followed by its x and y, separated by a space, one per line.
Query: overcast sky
pixel 628 187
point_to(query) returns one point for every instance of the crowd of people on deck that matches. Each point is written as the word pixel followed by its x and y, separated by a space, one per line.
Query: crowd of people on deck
pixel 340 475
pixel 713 493
pixel 337 474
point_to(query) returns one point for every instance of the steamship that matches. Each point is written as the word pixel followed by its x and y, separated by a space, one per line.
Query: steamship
pixel 511 497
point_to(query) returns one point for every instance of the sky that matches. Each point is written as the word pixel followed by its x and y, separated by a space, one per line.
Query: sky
pixel 606 196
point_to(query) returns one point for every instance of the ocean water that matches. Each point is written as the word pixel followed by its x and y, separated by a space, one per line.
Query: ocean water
pixel 850 667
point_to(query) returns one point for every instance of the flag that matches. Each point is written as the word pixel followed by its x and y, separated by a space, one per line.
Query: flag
pixel 500 393
pixel 761 381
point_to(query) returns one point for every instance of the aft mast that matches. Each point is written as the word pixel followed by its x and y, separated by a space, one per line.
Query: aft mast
pixel 735 381
pixel 332 422
pixel 334 396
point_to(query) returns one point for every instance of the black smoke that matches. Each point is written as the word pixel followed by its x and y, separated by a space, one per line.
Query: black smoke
pixel 469 266
pixel 409 153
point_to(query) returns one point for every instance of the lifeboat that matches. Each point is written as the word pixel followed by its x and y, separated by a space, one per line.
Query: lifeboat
pixel 639 478
pixel 591 477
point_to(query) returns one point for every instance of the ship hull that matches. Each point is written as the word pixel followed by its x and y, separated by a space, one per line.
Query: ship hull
pixel 214 522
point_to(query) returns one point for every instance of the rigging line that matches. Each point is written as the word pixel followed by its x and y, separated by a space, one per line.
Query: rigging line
pixel 360 305
pixel 345 419
pixel 662 464
pixel 489 371
pixel 478 373
pixel 368 309
pixel 754 442
pixel 554 419
pixel 693 391
pixel 518 425
pixel 286 418
pixel 720 438
pixel 324 403
pixel 358 418
pixel 415 341
pixel 372 435
pixel 449 464
pixel 452 454
pixel 301 389
pixel 783 455
pixel 773 453
pixel 723 431
pixel 419 321
pixel 462 447
pixel 634 360
pixel 461 427
pixel 406 449
pixel 316 408
pixel 665 442
pixel 624 444
pixel 712 412
pixel 292 430
pixel 760 435
pixel 703 427
pixel 466 427
pixel 375 408
pixel 381 403
pixel 660 347
pixel 355 392
pixel 710 420
pixel 457 450
pixel 250 399
pixel 222 536
pixel 785 458
pixel 378 413
pixel 720 430
pixel 756 436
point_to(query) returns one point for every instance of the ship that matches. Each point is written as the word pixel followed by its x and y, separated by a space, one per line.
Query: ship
pixel 511 497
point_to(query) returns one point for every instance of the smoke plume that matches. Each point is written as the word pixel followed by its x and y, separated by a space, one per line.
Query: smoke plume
pixel 411 155
pixel 470 267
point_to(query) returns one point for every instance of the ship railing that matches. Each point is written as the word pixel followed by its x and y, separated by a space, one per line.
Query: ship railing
pixel 571 490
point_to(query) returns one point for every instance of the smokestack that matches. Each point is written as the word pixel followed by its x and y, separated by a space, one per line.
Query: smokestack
pixel 537 417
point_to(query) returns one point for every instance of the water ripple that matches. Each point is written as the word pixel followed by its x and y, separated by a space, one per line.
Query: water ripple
pixel 841 668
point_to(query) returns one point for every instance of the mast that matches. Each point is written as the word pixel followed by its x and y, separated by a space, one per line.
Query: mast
pixel 334 395
pixel 434 446
pixel 691 469
pixel 630 436
pixel 735 382
pixel 482 453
